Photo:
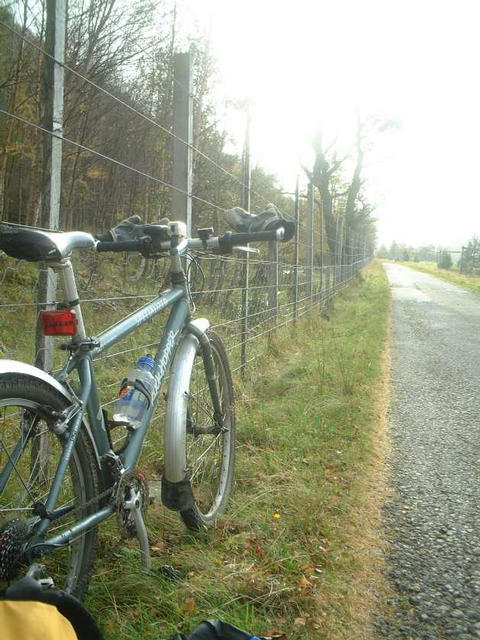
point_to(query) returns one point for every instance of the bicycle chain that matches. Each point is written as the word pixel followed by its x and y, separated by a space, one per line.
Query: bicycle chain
pixel 96 498
pixel 100 562
pixel 20 552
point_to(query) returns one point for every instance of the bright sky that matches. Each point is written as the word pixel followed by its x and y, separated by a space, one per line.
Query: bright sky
pixel 309 65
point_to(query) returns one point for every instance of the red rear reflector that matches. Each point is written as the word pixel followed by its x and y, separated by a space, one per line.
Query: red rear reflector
pixel 59 323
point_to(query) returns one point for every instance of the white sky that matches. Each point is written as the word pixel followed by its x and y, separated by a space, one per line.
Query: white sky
pixel 310 65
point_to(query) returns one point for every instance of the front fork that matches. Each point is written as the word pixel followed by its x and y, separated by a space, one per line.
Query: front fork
pixel 209 365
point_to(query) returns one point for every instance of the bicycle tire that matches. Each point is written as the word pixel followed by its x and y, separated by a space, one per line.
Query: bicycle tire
pixel 21 397
pixel 210 493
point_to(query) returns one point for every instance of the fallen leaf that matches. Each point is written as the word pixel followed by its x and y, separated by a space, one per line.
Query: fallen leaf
pixel 110 626
pixel 255 545
pixel 275 635
pixel 303 583
pixel 299 622
pixel 308 570
pixel 157 550
pixel 190 605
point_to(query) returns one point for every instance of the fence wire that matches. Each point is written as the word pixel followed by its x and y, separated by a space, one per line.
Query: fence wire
pixel 284 282
pixel 112 286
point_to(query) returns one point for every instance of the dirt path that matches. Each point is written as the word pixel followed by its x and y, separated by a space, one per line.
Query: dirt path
pixel 434 519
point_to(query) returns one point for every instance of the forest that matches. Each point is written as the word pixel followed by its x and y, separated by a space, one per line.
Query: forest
pixel 117 152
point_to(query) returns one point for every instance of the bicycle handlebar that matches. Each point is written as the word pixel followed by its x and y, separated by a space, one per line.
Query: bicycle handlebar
pixel 230 240
pixel 221 244
pixel 121 246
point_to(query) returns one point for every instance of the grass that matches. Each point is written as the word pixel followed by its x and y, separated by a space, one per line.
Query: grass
pixel 297 552
pixel 471 283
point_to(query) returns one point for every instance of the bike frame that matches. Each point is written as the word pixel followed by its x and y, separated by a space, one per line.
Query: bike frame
pixel 89 401
pixel 83 350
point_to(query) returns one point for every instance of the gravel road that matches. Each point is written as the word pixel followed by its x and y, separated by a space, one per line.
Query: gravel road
pixel 433 521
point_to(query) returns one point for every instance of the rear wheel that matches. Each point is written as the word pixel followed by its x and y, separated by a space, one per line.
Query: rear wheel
pixel 210 453
pixel 25 428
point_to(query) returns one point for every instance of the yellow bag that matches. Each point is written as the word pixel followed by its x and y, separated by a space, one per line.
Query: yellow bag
pixel 33 621
pixel 29 613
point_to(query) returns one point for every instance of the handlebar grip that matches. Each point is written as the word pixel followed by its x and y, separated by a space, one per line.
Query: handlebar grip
pixel 258 236
pixel 230 240
pixel 105 237
pixel 126 245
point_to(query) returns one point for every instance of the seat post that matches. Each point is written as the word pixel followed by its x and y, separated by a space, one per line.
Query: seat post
pixel 71 293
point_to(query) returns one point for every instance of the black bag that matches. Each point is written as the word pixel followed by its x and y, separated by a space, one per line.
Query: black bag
pixel 216 630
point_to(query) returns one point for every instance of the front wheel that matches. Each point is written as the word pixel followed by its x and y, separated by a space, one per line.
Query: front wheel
pixel 210 456
pixel 196 449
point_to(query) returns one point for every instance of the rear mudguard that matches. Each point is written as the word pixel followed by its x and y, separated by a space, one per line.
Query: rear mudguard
pixel 23 369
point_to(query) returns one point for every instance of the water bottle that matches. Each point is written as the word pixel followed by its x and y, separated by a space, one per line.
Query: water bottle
pixel 135 395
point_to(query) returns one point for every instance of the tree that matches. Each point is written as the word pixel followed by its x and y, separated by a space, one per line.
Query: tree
pixel 470 259
pixel 325 169
pixel 382 252
pixel 444 259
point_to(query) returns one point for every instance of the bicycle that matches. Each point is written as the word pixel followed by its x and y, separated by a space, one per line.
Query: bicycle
pixel 61 476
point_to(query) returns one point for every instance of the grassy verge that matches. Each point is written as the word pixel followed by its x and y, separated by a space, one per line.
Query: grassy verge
pixel 471 283
pixel 297 553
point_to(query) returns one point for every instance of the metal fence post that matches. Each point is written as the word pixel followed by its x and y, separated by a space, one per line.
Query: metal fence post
pixel 351 253
pixel 322 262
pixel 340 251
pixel 52 162
pixel 273 280
pixel 183 131
pixel 310 207
pixel 297 236
pixel 246 191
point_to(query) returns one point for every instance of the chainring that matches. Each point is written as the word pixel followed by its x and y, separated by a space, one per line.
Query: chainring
pixel 128 483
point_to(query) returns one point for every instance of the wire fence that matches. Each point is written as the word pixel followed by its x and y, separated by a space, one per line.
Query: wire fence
pixel 247 299
pixel 112 287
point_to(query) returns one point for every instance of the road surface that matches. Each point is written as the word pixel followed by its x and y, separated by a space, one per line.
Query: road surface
pixel 433 521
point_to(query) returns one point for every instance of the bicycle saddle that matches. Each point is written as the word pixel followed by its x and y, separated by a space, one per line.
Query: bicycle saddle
pixel 34 245
pixel 268 220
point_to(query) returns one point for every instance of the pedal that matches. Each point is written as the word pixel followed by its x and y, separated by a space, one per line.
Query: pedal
pixel 132 502
pixel 39 573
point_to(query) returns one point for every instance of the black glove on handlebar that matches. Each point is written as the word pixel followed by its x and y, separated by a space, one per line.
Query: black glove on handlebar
pixel 268 220
pixel 124 231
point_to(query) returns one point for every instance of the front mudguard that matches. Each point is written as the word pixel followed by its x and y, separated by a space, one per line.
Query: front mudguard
pixel 176 490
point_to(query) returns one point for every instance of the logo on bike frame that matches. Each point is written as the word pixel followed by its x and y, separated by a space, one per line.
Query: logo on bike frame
pixel 164 361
